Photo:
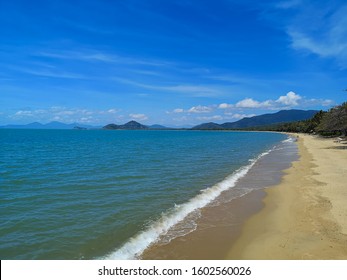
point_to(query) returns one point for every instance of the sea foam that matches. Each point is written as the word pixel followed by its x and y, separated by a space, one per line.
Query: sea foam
pixel 289 140
pixel 136 245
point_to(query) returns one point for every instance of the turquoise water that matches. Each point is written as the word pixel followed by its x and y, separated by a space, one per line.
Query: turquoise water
pixel 70 194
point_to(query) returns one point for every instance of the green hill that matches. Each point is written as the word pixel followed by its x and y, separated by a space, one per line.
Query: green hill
pixel 283 116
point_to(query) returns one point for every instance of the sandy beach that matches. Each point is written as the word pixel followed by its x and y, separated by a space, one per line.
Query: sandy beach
pixel 305 216
pixel 300 215
pixel 219 224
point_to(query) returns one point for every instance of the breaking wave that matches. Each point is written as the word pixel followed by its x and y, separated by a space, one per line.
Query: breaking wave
pixel 135 246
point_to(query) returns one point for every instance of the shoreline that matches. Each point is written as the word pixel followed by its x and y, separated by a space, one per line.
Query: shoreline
pixel 220 222
pixel 305 216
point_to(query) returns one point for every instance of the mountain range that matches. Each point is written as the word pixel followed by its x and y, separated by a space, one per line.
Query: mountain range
pixel 50 125
pixel 283 116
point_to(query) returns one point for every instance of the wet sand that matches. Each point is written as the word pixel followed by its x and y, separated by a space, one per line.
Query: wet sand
pixel 220 223
pixel 215 233
pixel 305 216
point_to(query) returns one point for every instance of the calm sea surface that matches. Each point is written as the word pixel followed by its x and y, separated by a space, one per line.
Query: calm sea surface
pixel 70 194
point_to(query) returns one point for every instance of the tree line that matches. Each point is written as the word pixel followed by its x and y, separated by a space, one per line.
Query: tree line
pixel 327 123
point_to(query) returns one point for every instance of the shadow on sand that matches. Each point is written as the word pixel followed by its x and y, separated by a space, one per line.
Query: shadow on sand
pixel 338 147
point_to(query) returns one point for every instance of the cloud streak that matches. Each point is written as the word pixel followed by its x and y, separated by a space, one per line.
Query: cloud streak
pixel 318 28
pixel 192 90
pixel 94 55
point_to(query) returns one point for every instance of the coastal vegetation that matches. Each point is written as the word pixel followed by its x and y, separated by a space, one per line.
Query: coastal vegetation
pixel 260 121
pixel 326 123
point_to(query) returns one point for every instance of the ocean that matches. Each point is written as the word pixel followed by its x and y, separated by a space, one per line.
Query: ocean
pixel 99 194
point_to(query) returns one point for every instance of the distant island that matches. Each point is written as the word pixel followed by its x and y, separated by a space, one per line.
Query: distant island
pixel 331 122
pixel 284 116
pixel 132 125
pixel 50 125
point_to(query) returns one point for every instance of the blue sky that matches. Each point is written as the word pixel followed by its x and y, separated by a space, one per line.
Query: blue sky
pixel 175 62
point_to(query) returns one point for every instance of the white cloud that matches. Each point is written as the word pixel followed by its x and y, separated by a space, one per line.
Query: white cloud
pixel 112 111
pixel 200 109
pixel 67 115
pixel 317 102
pixel 195 110
pixel 21 113
pixel 290 99
pixel 238 110
pixel 57 118
pixel 178 110
pixel 86 120
pixel 250 103
pixel 327 102
pixel 225 106
pixel 139 117
pixel 239 116
pixel 211 118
